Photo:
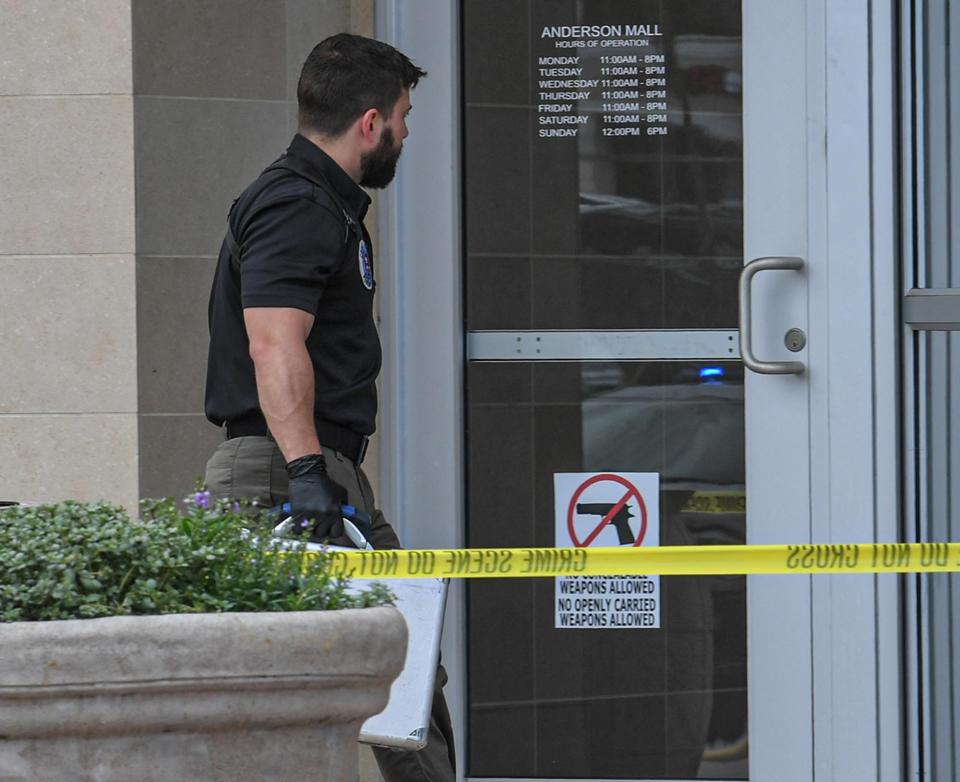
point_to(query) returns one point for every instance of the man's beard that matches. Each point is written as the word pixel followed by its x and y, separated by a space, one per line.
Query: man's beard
pixel 378 166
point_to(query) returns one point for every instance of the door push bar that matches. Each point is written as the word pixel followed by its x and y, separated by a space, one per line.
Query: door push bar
pixel 746 320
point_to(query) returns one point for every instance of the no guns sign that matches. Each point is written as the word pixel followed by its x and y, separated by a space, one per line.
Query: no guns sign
pixel 607 510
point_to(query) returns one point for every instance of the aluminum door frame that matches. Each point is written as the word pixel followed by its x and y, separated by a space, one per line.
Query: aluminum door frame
pixel 927 308
pixel 418 222
pixel 822 448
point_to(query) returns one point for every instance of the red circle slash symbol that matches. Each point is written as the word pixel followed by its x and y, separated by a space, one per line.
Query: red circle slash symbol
pixel 610 511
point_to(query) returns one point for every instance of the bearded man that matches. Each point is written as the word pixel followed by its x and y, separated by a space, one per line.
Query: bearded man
pixel 294 351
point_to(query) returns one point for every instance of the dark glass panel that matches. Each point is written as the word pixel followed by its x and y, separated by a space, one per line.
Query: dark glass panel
pixel 496 52
pixel 497 180
pixel 607 230
pixel 573 699
pixel 656 214
pixel 499 293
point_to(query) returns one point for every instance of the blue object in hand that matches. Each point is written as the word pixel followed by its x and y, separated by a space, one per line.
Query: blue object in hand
pixel 363 520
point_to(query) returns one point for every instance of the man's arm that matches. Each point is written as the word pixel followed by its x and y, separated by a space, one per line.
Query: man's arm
pixel 285 387
pixel 290 250
pixel 284 372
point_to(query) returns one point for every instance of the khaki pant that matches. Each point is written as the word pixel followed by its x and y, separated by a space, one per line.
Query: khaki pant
pixel 252 468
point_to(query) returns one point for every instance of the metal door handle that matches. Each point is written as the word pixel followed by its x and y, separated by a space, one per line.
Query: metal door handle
pixel 746 323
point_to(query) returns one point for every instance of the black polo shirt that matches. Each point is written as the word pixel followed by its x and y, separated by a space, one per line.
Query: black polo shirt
pixel 298 250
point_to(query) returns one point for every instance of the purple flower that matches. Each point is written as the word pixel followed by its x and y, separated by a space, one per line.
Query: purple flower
pixel 202 499
pixel 236 507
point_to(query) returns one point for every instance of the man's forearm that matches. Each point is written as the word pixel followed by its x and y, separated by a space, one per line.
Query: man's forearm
pixel 285 386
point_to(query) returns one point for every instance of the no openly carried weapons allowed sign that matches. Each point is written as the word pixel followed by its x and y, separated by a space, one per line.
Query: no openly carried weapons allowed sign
pixel 607 510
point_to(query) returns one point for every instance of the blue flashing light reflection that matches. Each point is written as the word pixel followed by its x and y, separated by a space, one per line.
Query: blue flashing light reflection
pixel 710 373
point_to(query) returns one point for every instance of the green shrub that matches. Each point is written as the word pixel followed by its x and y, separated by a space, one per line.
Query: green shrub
pixel 77 560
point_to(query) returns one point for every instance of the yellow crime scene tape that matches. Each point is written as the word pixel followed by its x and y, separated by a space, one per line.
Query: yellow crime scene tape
pixel 662 560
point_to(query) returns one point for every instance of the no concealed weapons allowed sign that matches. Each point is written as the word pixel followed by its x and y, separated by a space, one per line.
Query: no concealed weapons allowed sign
pixel 607 510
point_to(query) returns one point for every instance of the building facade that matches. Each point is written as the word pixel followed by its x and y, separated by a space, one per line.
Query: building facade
pixel 131 127
pixel 562 295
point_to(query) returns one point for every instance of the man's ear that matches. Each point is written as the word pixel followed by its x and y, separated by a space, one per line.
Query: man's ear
pixel 370 125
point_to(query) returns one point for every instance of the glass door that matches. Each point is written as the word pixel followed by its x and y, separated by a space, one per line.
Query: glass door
pixel 603 208
pixel 594 175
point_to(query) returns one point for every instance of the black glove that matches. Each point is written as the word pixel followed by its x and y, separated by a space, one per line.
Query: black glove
pixel 315 498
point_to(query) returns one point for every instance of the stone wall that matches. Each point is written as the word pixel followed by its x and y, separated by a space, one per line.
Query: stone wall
pixel 128 127
pixel 214 102
pixel 68 381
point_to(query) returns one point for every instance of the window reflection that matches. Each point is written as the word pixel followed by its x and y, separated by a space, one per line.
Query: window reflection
pixel 617 704
pixel 604 231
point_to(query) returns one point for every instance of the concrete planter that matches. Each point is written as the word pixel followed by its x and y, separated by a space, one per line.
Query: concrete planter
pixel 206 697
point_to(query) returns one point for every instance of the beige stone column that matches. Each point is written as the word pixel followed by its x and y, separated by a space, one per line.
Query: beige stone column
pixel 68 392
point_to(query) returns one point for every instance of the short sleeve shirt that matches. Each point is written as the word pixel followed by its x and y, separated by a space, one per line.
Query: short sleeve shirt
pixel 298 249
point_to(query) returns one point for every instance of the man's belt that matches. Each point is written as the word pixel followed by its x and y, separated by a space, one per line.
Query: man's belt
pixel 333 436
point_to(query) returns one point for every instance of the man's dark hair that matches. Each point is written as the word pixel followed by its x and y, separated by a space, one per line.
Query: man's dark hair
pixel 346 75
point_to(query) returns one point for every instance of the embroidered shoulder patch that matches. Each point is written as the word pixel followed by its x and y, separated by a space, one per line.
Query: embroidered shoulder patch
pixel 366 268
